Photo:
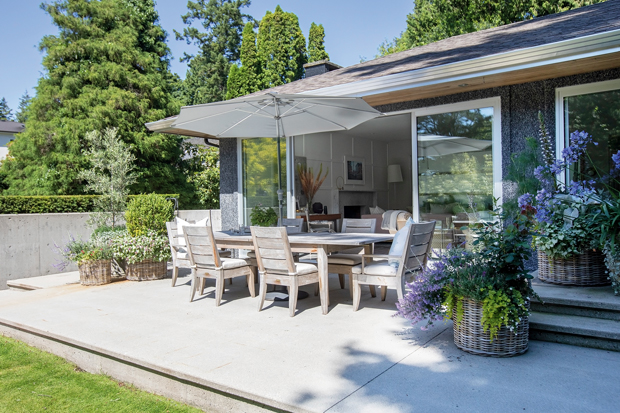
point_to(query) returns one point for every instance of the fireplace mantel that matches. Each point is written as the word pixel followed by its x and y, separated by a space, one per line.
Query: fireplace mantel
pixel 349 198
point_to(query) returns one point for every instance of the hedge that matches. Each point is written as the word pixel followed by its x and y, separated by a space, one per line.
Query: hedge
pixel 52 204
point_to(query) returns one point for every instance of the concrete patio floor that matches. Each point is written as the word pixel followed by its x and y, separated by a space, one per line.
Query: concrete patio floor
pixel 234 358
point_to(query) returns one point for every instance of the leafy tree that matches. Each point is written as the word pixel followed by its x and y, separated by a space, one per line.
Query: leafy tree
pixel 247 78
pixel 206 176
pixel 281 48
pixel 316 43
pixel 222 21
pixel 434 20
pixel 5 111
pixel 111 175
pixel 22 110
pixel 107 67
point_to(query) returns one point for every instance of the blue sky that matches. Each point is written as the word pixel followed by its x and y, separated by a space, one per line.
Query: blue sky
pixel 353 28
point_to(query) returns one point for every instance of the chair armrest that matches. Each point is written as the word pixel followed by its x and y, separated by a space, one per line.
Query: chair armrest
pixel 376 256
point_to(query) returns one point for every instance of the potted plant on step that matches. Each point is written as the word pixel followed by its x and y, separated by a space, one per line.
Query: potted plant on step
pixel 146 256
pixel 486 291
pixel 93 259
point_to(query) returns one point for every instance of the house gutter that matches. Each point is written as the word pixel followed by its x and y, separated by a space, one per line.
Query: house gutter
pixel 599 44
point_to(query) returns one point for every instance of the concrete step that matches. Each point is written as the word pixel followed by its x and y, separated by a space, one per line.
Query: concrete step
pixel 575 330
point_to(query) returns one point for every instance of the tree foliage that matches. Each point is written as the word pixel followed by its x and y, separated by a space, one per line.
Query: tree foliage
pixel 206 176
pixel 111 175
pixel 5 111
pixel 247 78
pixel 434 20
pixel 281 48
pixel 218 41
pixel 107 67
pixel 316 43
pixel 22 110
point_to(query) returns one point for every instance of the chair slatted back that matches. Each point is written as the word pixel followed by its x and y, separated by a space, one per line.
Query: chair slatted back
pixel 293 225
pixel 420 242
pixel 273 250
pixel 201 247
pixel 359 226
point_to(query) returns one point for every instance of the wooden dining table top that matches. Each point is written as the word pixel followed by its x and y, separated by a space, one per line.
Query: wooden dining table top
pixel 314 238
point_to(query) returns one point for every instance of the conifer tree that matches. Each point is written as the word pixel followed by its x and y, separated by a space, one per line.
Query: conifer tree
pixel 218 41
pixel 22 109
pixel 316 43
pixel 107 67
pixel 5 111
pixel 281 48
pixel 247 78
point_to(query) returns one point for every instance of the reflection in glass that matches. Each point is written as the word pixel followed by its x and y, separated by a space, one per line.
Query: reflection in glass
pixel 599 115
pixel 455 168
pixel 260 174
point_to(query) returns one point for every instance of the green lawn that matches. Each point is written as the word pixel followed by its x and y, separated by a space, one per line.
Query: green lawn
pixel 34 381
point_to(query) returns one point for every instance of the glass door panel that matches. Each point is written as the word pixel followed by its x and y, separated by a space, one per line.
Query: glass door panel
pixel 260 174
pixel 455 170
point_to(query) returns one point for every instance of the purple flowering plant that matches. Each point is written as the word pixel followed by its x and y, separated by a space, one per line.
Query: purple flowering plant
pixel 491 272
pixel 79 251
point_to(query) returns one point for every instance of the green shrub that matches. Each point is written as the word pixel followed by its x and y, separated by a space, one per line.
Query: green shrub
pixel 148 212
pixel 15 204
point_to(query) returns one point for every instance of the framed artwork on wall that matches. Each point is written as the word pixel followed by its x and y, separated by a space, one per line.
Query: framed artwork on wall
pixel 354 171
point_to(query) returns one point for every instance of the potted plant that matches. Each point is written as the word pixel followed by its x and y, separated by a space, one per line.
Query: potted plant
pixel 263 216
pixel 146 256
pixel 92 257
pixel 486 291
pixel 569 217
pixel 310 183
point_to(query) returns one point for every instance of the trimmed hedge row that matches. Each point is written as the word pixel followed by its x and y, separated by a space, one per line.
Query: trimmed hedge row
pixel 52 204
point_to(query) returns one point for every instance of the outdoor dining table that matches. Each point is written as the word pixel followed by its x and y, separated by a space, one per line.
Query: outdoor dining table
pixel 321 243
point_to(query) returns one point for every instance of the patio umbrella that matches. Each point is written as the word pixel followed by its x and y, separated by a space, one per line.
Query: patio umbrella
pixel 437 145
pixel 273 115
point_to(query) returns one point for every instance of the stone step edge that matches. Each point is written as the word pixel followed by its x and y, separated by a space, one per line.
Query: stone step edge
pixel 572 302
pixel 575 325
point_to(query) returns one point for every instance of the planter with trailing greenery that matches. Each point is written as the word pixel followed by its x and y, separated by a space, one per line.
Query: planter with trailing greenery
pixel 145 256
pixel 486 291
pixel 575 220
pixel 93 259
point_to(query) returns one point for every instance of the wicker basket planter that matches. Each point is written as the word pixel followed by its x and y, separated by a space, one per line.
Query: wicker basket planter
pixel 146 270
pixel 470 336
pixel 587 269
pixel 97 272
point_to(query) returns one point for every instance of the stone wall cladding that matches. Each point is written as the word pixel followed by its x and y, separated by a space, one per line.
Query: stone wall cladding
pixel 229 183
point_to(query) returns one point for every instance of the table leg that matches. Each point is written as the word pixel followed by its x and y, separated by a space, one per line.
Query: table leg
pixel 369 249
pixel 321 254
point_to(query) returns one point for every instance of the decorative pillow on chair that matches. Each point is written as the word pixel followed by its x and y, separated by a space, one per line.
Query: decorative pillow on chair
pixel 183 223
pixel 399 243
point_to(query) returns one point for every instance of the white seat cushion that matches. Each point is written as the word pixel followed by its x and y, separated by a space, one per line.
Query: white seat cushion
pixel 230 263
pixel 344 259
pixel 376 268
pixel 305 268
pixel 251 254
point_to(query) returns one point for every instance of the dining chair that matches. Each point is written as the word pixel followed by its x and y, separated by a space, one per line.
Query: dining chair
pixel 276 266
pixel 292 225
pixel 179 251
pixel 391 271
pixel 341 263
pixel 206 262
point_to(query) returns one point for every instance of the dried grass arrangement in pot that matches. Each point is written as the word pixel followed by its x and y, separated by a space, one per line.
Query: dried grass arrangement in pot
pixel 486 291
pixel 310 183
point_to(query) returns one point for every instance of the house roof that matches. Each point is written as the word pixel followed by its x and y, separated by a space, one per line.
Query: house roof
pixel 560 27
pixel 11 127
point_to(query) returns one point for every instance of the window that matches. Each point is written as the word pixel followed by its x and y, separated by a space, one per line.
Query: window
pixel 594 108
pixel 260 174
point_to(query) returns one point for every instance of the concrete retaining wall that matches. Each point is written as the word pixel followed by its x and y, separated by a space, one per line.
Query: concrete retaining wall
pixel 27 240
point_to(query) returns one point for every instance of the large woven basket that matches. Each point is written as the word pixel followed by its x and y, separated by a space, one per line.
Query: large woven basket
pixel 96 272
pixel 470 336
pixel 587 269
pixel 146 270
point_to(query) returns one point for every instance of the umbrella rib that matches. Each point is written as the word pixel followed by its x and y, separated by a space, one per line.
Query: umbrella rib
pixel 341 107
pixel 320 117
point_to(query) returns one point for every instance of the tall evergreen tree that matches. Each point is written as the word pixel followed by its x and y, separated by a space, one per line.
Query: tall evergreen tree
pixel 434 20
pixel 218 41
pixel 107 67
pixel 247 78
pixel 5 111
pixel 22 109
pixel 281 48
pixel 316 43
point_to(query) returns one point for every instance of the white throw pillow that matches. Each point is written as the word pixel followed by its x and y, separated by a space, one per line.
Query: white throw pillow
pixel 399 243
pixel 376 210
pixel 183 223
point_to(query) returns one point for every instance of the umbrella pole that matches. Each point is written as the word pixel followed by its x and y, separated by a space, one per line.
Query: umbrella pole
pixel 280 192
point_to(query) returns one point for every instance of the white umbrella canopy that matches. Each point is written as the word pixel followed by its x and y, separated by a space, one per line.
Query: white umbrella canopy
pixel 273 115
pixel 438 145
